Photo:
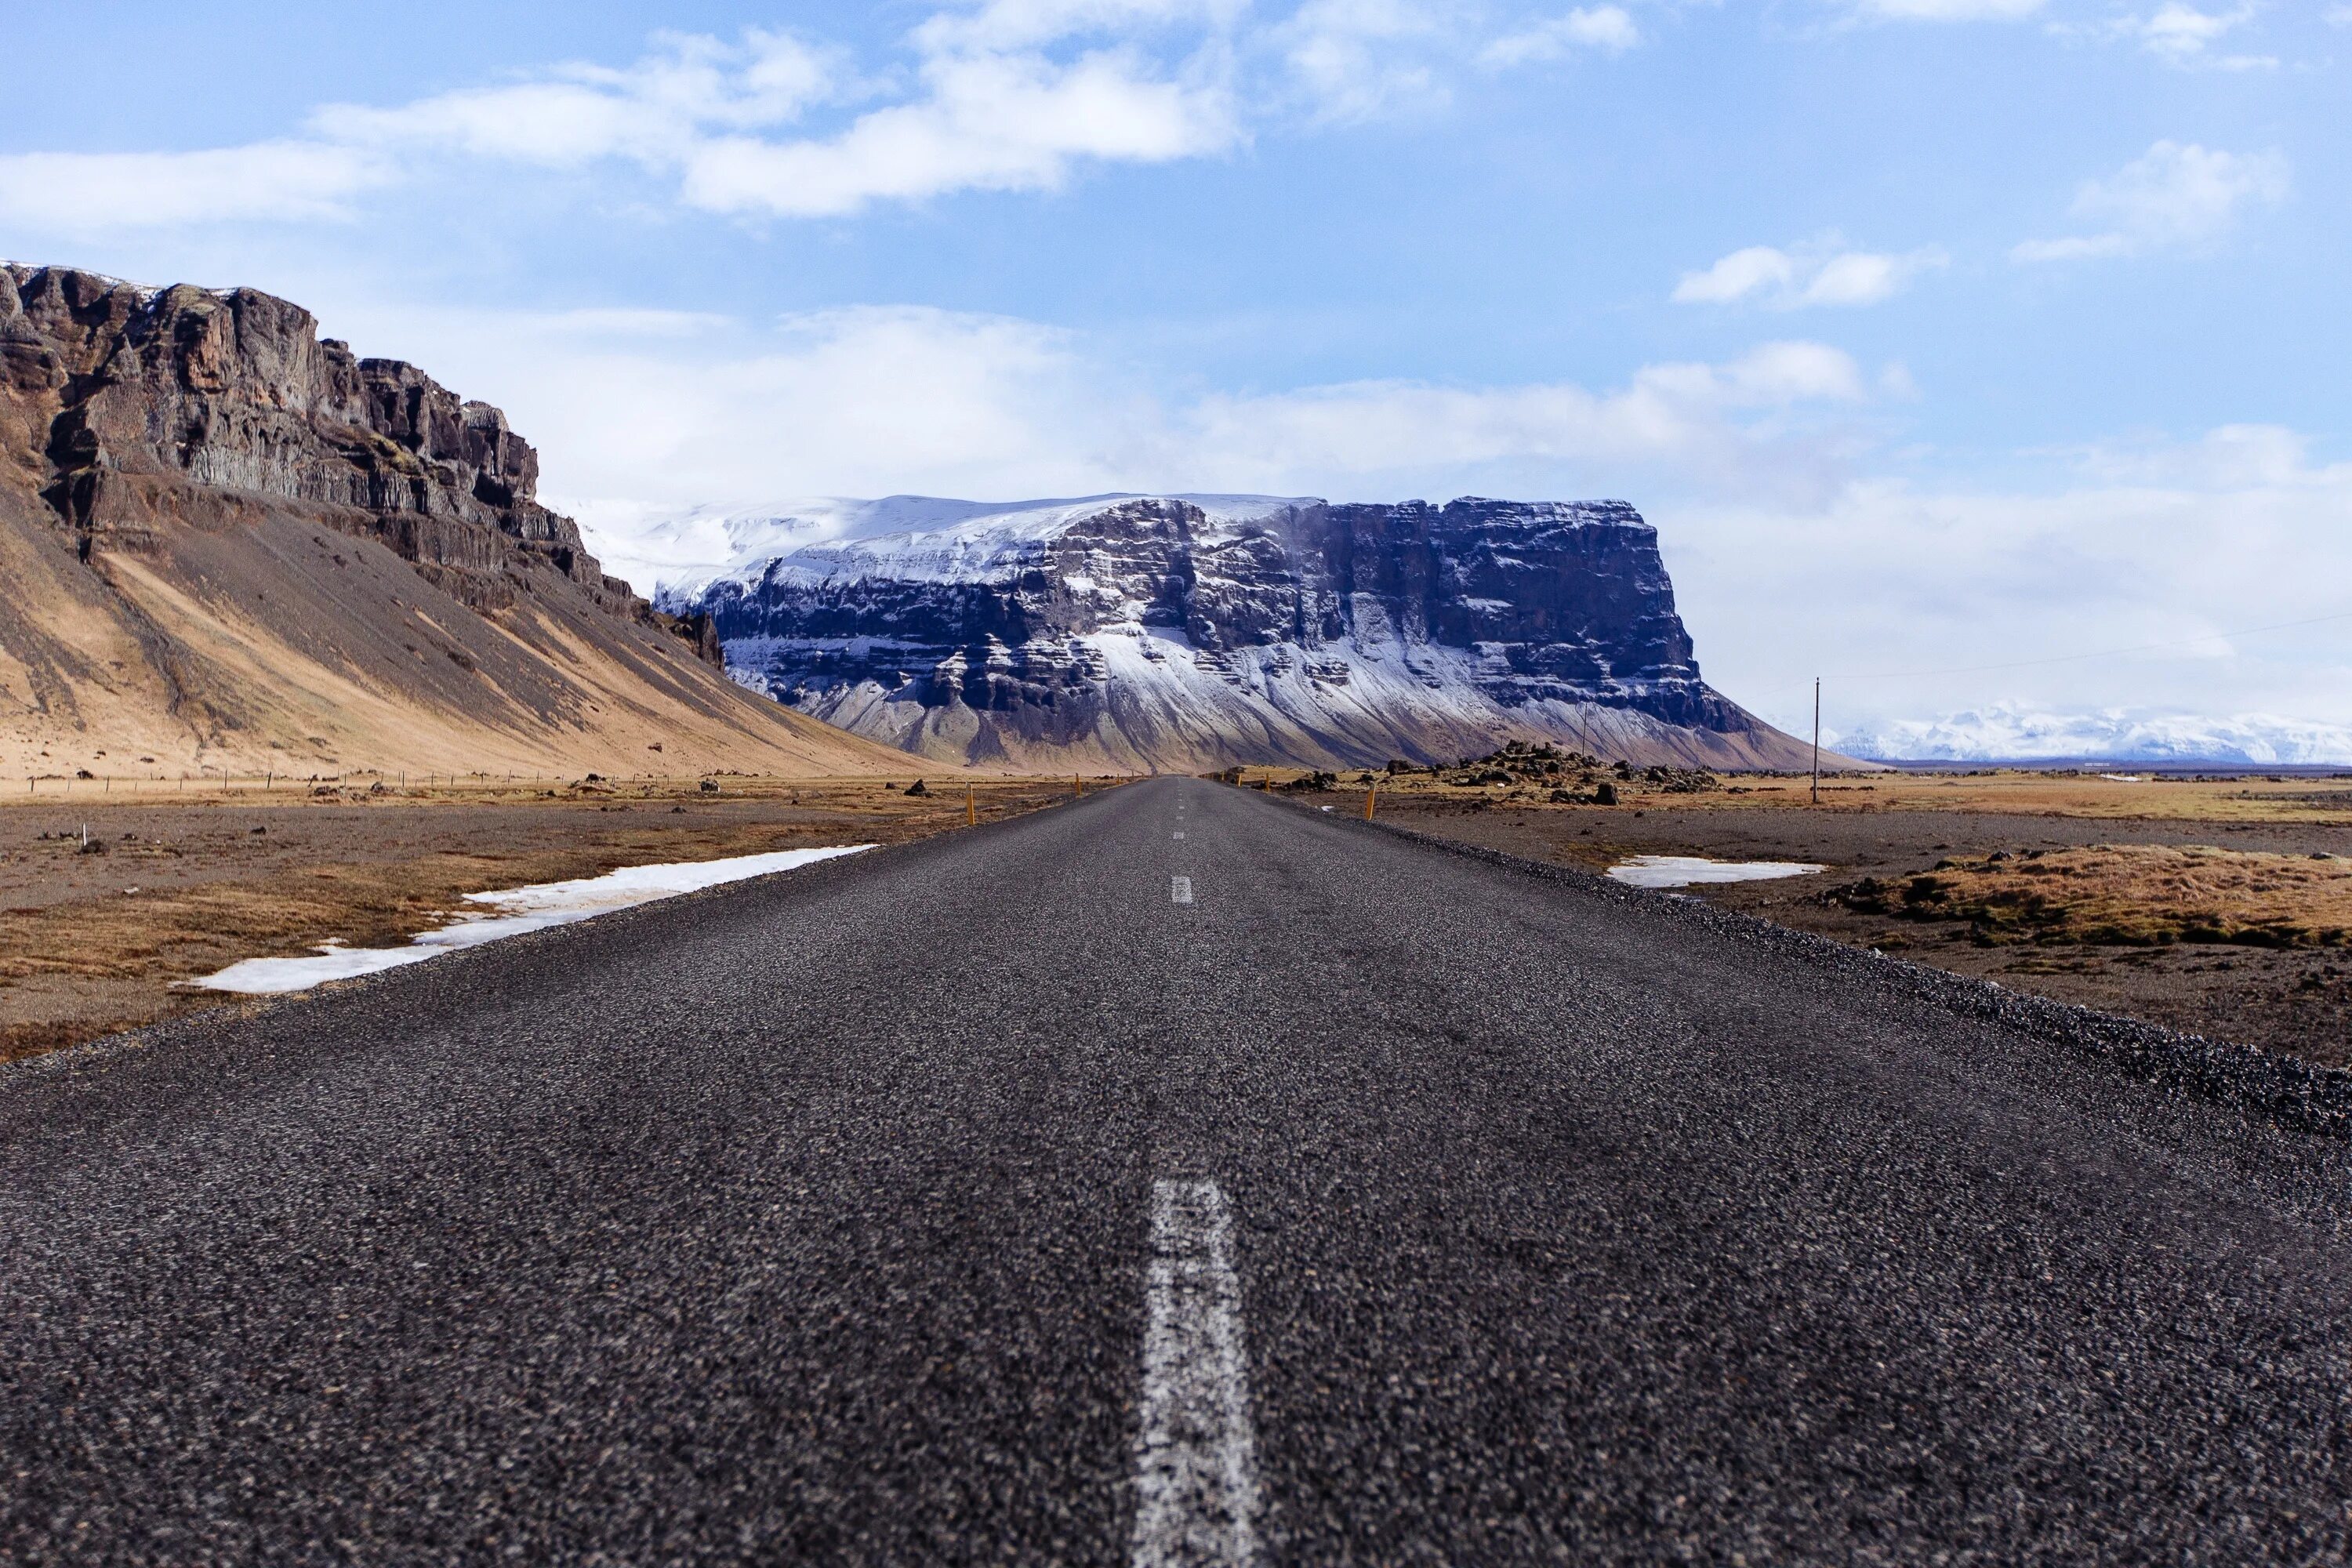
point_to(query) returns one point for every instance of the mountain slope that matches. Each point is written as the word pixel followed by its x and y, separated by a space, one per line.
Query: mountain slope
pixel 1193 631
pixel 225 543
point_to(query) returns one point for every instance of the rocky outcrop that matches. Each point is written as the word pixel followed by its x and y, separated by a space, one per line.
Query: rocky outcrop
pixel 224 538
pixel 1176 631
pixel 115 386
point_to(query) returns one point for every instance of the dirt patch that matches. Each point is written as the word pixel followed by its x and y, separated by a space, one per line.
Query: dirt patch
pixel 96 940
pixel 2273 979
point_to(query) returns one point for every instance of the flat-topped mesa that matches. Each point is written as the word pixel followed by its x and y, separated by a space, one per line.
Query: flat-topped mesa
pixel 1173 631
pixel 121 395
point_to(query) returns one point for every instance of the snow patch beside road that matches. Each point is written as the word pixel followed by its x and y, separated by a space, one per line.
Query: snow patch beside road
pixel 1681 870
pixel 519 910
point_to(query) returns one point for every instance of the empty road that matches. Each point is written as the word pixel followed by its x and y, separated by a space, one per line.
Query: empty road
pixel 1176 1176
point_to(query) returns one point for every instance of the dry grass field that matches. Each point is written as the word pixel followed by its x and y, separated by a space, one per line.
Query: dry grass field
pixel 2128 895
pixel 177 886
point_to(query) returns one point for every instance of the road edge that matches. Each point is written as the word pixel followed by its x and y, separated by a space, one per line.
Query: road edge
pixel 2293 1095
pixel 164 1032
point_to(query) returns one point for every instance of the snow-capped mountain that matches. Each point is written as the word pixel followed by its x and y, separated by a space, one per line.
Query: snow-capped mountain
pixel 2004 733
pixel 1190 630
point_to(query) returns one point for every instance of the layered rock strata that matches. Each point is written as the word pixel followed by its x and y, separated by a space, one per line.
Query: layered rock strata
pixel 1177 632
pixel 226 541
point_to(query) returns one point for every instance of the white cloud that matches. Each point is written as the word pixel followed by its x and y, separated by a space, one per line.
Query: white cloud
pixel 1948 10
pixel 98 192
pixel 987 122
pixel 1918 588
pixel 1010 95
pixel 636 410
pixel 1791 555
pixel 654 110
pixel 1608 28
pixel 2181 35
pixel 1354 59
pixel 2177 31
pixel 991 108
pixel 2176 195
pixel 985 119
pixel 1025 23
pixel 1814 275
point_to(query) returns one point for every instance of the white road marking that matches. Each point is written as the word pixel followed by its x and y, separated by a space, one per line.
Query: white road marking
pixel 1180 834
pixel 1195 1460
pixel 1180 888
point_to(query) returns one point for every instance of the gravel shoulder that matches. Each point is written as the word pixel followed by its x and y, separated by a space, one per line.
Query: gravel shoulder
pixel 2293 1001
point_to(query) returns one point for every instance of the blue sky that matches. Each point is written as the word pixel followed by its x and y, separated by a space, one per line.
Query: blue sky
pixel 1933 334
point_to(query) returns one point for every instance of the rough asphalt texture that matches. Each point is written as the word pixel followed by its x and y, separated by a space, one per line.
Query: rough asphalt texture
pixel 805 1221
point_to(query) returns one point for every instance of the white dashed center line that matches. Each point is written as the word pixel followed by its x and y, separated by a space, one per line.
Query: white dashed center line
pixel 1195 1459
pixel 1180 888
pixel 1180 834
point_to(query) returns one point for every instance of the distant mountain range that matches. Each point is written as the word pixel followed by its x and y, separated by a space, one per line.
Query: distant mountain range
pixel 1184 631
pixel 227 544
pixel 2006 733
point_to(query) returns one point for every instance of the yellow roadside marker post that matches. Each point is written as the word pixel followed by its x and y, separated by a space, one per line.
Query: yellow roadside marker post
pixel 1372 794
pixel 971 812
pixel 1077 788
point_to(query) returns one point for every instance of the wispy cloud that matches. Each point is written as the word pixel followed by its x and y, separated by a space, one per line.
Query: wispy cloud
pixel 2183 33
pixel 990 106
pixel 2179 34
pixel 1355 60
pixel 2176 195
pixel 93 193
pixel 637 413
pixel 2108 547
pixel 1011 95
pixel 1607 29
pixel 1946 10
pixel 1819 274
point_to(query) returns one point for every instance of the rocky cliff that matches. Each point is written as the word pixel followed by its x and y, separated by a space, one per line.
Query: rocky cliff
pixel 1186 631
pixel 226 542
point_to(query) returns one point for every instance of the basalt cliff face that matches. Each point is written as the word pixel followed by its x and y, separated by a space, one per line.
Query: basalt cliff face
pixel 1190 631
pixel 227 542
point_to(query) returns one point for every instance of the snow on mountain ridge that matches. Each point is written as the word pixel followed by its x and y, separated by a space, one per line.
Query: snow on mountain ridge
pixel 2010 732
pixel 1151 631
pixel 693 550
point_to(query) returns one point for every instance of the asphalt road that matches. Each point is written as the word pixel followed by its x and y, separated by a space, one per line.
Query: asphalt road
pixel 977 1201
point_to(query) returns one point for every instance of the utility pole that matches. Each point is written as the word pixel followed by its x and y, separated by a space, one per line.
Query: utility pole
pixel 1817 739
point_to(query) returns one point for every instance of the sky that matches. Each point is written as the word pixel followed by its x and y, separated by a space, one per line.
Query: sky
pixel 1985 358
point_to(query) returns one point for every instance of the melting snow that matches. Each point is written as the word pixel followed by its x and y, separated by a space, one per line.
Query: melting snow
pixel 1681 870
pixel 518 910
